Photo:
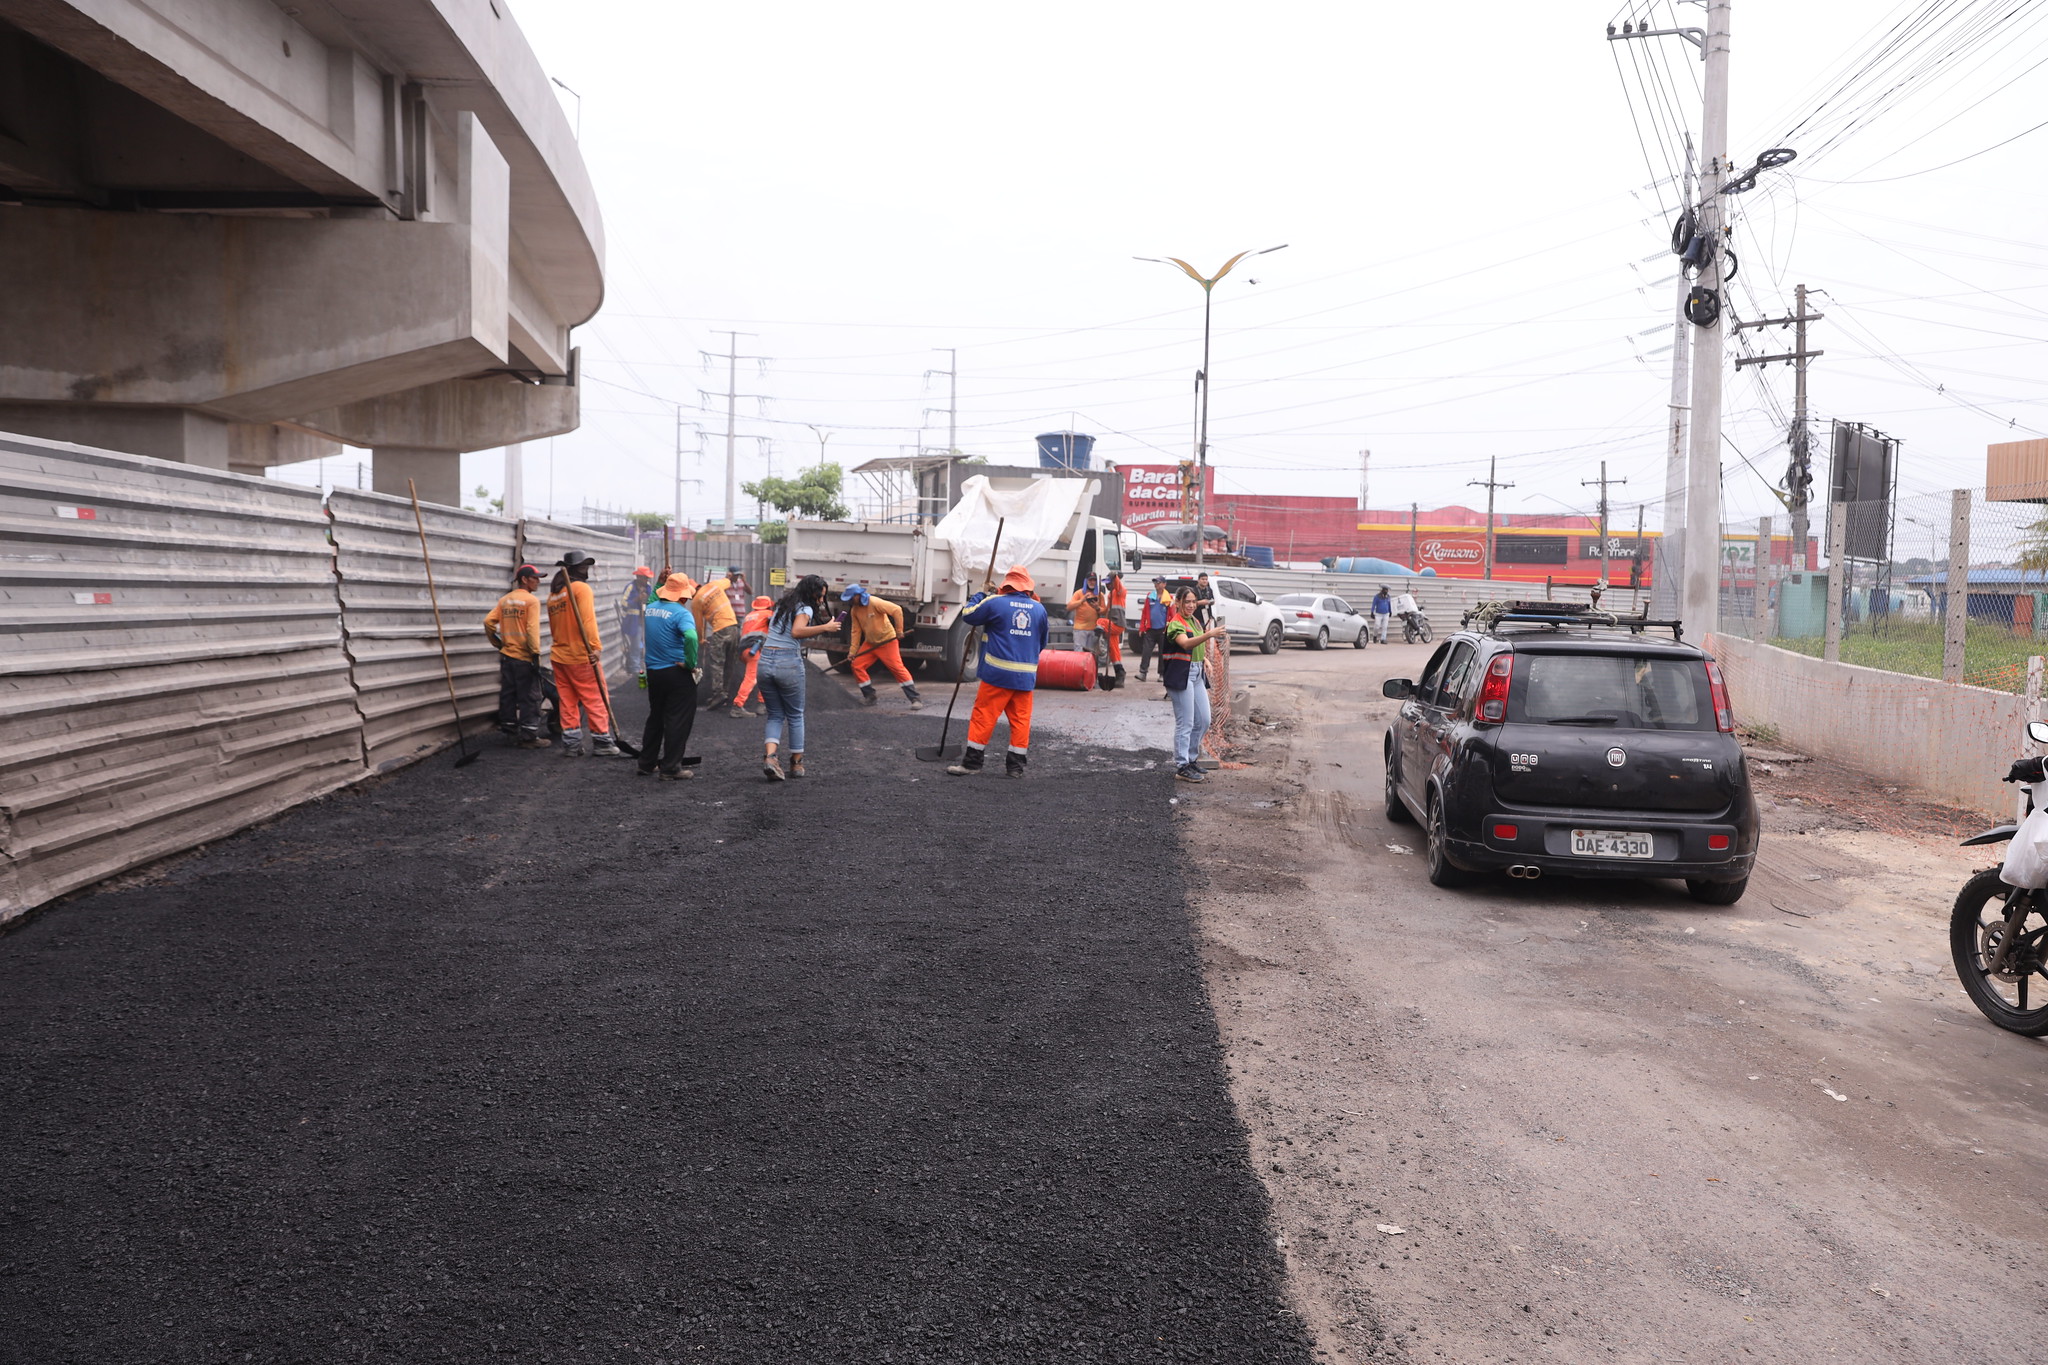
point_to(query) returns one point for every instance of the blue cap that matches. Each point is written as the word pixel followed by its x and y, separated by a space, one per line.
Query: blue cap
pixel 854 591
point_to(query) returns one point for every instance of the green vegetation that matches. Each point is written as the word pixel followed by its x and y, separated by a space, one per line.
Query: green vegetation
pixel 812 494
pixel 1993 656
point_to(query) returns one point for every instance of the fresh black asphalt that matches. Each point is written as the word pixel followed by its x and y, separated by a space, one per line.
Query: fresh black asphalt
pixel 545 1061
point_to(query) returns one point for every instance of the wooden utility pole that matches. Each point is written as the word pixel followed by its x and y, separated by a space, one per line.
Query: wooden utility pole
pixel 1603 481
pixel 1490 484
pixel 1414 520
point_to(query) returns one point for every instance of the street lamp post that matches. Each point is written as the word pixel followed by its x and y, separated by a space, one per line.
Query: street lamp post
pixel 1208 283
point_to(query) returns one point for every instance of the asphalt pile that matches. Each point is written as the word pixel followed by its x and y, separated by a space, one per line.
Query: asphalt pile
pixel 543 1060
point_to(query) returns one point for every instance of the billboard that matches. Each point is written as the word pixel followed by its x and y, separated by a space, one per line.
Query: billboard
pixel 1862 475
pixel 1153 492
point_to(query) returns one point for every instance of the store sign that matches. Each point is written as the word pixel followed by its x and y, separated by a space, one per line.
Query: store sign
pixel 1153 493
pixel 1438 552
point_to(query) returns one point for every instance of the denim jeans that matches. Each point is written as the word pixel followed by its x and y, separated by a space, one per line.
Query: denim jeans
pixel 1190 719
pixel 781 680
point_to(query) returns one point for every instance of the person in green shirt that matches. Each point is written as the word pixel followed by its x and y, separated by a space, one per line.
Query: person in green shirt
pixel 1184 669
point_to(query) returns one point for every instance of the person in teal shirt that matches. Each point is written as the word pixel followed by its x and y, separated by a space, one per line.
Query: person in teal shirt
pixel 671 641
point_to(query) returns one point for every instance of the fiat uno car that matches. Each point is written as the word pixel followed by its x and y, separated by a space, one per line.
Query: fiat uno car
pixel 1553 741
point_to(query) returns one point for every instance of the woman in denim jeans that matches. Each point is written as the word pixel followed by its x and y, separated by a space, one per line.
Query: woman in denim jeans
pixel 1184 670
pixel 800 614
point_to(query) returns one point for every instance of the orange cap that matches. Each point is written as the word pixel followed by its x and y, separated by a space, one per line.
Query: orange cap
pixel 1018 579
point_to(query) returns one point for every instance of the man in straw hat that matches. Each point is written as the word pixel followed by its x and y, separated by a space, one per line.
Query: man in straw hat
pixel 671 680
pixel 1012 622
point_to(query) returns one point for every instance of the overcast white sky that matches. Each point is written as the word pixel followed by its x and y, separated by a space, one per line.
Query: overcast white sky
pixel 1473 263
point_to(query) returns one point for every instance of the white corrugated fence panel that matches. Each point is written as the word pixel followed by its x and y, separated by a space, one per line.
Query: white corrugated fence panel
pixel 171 667
pixel 388 618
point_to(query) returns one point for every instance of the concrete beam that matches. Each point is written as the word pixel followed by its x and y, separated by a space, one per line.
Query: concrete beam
pixel 166 433
pixel 253 447
pixel 457 414
pixel 254 319
pixel 437 473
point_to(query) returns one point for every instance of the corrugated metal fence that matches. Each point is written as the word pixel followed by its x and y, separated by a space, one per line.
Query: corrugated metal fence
pixel 171 662
pixel 185 652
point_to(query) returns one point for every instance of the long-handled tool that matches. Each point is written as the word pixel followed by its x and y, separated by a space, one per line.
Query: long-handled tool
pixel 447 670
pixel 939 753
pixel 597 667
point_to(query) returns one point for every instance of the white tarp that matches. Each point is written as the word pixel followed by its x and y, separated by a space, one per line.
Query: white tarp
pixel 1033 519
pixel 2026 858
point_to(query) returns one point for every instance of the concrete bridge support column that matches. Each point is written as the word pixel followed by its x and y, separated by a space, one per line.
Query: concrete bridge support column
pixel 165 433
pixel 437 473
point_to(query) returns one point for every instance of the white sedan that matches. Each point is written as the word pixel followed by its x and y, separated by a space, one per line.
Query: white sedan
pixel 1316 618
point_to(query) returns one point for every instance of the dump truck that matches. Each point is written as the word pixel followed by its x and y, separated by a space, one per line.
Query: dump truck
pixel 923 572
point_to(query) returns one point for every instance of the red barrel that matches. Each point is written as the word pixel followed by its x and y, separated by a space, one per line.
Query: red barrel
pixel 1067 668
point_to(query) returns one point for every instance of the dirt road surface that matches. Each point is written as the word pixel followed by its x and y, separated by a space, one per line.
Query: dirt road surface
pixel 1597 1121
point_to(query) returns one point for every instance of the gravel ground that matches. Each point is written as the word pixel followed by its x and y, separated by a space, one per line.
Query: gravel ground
pixel 543 1060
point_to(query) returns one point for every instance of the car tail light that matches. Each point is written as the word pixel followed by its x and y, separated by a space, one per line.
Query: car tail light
pixel 1493 694
pixel 1304 616
pixel 1507 834
pixel 1724 716
pixel 1718 842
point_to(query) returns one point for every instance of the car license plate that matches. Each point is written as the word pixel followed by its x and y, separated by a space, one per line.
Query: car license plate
pixel 1612 843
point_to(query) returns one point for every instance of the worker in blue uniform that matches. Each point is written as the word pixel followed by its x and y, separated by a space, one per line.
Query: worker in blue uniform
pixel 1013 626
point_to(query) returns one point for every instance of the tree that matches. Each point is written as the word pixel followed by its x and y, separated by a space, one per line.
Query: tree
pixel 649 521
pixel 813 494
pixel 774 532
pixel 497 504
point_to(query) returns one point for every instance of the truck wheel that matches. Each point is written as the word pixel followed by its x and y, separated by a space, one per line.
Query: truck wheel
pixel 957 665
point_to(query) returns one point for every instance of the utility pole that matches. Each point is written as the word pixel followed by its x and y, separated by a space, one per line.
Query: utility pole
pixel 1364 480
pixel 1490 484
pixel 1603 481
pixel 1700 596
pixel 1414 523
pixel 1799 474
pixel 1670 563
pixel 1635 595
pixel 952 373
pixel 732 359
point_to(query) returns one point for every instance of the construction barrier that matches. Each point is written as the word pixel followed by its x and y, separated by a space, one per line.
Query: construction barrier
pixel 185 652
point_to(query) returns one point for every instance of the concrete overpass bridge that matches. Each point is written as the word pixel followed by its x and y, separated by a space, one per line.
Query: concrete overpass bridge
pixel 235 232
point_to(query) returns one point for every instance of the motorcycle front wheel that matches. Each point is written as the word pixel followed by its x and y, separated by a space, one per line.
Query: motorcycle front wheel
pixel 2016 997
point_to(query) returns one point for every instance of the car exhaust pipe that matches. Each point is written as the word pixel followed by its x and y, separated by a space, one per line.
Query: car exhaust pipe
pixel 1525 871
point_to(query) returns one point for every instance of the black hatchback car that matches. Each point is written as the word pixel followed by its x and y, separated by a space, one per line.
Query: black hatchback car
pixel 1549 741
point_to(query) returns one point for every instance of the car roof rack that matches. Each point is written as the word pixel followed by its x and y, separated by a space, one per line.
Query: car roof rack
pixel 1560 616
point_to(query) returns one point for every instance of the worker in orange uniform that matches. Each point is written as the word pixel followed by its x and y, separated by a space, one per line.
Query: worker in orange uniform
pixel 719 629
pixel 753 633
pixel 513 628
pixel 575 652
pixel 1113 623
pixel 877 635
pixel 1014 629
pixel 1084 608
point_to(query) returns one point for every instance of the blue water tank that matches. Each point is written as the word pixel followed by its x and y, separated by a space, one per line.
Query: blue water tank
pixel 1367 564
pixel 1065 450
pixel 1259 556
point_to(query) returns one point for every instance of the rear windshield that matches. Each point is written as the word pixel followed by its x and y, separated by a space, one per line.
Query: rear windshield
pixel 1295 599
pixel 1611 691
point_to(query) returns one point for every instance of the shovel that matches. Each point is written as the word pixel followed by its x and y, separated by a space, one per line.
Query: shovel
pixel 940 753
pixel 461 741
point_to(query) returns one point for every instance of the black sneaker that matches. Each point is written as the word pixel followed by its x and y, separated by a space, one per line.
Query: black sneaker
pixel 1189 773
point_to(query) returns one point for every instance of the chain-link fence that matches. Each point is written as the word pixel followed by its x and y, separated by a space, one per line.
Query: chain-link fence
pixel 1938 585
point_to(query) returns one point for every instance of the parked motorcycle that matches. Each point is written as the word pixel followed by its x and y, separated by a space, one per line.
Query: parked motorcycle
pixel 1998 933
pixel 1415 627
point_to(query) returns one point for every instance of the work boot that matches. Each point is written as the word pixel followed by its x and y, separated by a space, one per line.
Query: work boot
pixel 572 744
pixel 867 694
pixel 531 739
pixel 604 746
pixel 971 759
pixel 1119 674
pixel 910 695
pixel 1013 764
pixel 737 712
